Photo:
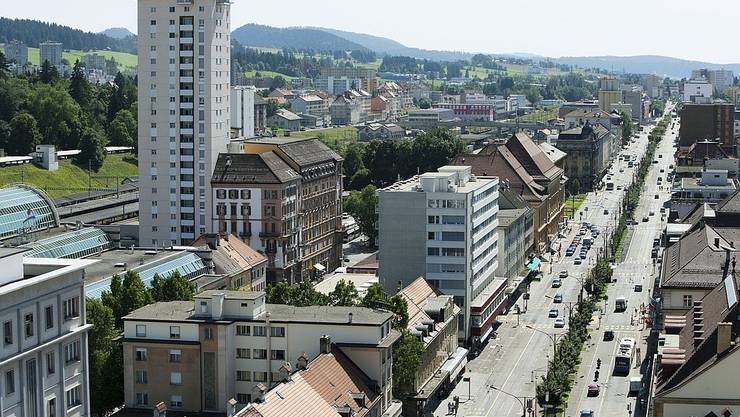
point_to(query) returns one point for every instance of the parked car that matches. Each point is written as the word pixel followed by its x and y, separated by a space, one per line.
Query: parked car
pixel 593 390
pixel 638 288
pixel 563 274
pixel 554 312
pixel 558 298
pixel 556 283
pixel 657 196
pixel 608 336
pixel 645 219
pixel 577 261
pixel 559 323
pixel 606 212
pixel 587 413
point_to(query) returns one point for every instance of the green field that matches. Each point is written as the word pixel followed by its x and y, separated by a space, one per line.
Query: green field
pixel 336 138
pixel 272 74
pixel 69 175
pixel 125 60
pixel 541 115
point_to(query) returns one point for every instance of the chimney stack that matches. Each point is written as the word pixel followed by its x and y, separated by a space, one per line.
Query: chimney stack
pixel 231 408
pixel 724 337
pixel 716 242
pixel 217 305
pixel 325 344
pixel 160 410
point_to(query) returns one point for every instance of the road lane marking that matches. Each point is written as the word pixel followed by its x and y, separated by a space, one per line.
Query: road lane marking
pixel 503 386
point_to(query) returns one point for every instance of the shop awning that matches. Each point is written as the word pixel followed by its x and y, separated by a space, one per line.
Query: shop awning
pixel 456 363
pixel 533 264
pixel 319 267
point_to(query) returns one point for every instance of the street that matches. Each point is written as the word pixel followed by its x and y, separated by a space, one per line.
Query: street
pixel 503 376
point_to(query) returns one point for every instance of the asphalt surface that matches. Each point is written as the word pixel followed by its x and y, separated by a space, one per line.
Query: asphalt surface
pixel 510 364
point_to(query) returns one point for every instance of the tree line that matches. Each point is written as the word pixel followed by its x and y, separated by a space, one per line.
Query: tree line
pixel 33 32
pixel 106 316
pixel 46 108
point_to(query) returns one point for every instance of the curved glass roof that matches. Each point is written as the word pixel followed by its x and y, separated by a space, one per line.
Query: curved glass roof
pixel 25 209
pixel 188 264
pixel 71 245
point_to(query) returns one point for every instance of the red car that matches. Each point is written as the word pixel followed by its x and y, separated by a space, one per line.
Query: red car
pixel 593 390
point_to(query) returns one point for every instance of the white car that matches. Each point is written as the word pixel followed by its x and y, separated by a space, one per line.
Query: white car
pixel 563 274
pixel 559 322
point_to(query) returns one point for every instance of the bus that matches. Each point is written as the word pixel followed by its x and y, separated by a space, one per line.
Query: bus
pixel 610 186
pixel 625 356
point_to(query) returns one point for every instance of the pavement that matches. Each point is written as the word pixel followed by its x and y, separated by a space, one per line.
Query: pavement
pixel 503 376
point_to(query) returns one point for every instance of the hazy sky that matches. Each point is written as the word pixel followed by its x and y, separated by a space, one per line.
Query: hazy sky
pixel 705 30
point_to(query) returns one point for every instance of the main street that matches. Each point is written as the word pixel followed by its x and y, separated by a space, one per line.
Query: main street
pixel 518 357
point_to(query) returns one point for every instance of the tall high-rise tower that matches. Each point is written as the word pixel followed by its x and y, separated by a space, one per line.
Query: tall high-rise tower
pixel 184 119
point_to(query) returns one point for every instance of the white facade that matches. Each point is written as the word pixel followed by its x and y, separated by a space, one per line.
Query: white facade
pixel 43 357
pixel 696 88
pixel 242 110
pixel 443 226
pixel 51 51
pixel 184 114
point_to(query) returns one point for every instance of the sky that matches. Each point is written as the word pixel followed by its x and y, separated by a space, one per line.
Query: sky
pixel 702 31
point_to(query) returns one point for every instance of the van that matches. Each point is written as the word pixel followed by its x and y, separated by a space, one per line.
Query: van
pixel 620 304
pixel 635 385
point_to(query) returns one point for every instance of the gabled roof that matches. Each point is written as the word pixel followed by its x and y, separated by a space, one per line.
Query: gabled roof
pixel 695 261
pixel 417 294
pixel 232 255
pixel 309 151
pixel 532 158
pixel 241 168
pixel 730 205
pixel 287 114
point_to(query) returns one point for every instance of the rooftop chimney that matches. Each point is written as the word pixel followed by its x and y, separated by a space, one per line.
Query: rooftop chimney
pixel 160 410
pixel 231 408
pixel 325 344
pixel 302 362
pixel 217 305
pixel 716 242
pixel 724 337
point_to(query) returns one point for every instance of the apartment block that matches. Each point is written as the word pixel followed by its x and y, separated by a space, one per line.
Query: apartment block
pixel 196 355
pixel 442 226
pixel 16 51
pixel 51 51
pixel 184 114
pixel 336 80
pixel 243 110
pixel 43 357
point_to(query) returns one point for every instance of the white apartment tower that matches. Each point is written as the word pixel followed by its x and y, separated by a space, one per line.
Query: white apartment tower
pixel 443 226
pixel 184 116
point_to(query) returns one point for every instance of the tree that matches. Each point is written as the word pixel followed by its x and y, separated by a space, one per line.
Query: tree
pixel 344 294
pixel 399 307
pixel 59 117
pixel 3 65
pixel 48 73
pixel 375 294
pixel 361 205
pixel 122 130
pixel 92 149
pixel 79 88
pixel 125 295
pixel 360 180
pixel 174 287
pixel 353 160
pixel 277 82
pixel 407 357
pixel 24 135
pixel 304 294
pixel 123 95
pixel 105 357
pixel 424 103
pixel 279 293
pixel 626 127
pixel 533 96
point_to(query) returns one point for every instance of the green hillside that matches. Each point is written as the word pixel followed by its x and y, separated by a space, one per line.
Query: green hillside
pixel 69 175
pixel 125 60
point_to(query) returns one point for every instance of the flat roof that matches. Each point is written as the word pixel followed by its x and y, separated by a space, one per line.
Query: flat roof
pixel 232 295
pixel 361 282
pixel 689 183
pixel 412 183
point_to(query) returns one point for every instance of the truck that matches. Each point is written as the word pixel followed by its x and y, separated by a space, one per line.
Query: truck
pixel 620 304
pixel 635 385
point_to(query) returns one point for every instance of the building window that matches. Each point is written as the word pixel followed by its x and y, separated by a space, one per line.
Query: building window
pixel 246 194
pixel 174 332
pixel 259 331
pixel 73 397
pixel 71 308
pixel 220 193
pixel 141 354
pixel 688 301
pixel 242 330
pixel 142 398
pixel 49 317
pixel 176 401
pixel 260 376
pixel 208 333
pixel 277 354
pixel 242 375
pixel 51 407
pixel 242 353
pixel 72 352
pixel 259 354
pixel 8 333
pixel 277 331
pixel 142 377
pixel 9 382
pixel 50 363
pixel 28 324
pixel 203 306
pixel 242 398
pixel 175 356
pixel 175 378
pixel 141 330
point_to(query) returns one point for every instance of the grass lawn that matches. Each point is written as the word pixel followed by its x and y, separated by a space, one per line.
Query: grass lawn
pixel 336 138
pixel 125 60
pixel 272 74
pixel 569 204
pixel 541 115
pixel 68 175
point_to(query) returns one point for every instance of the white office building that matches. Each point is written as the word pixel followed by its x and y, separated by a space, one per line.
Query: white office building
pixel 184 114
pixel 43 355
pixel 242 110
pixel 697 91
pixel 443 226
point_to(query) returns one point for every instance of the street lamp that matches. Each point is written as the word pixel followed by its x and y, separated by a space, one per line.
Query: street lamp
pixel 553 337
pixel 524 407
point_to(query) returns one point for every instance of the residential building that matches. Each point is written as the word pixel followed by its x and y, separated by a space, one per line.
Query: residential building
pixel 571 106
pixel 94 61
pixel 380 131
pixel 243 111
pixel 720 79
pixel 17 52
pixel 694 370
pixel 365 100
pixel 652 85
pixel 697 91
pixel 429 118
pixel 196 355
pixel 525 169
pixel 310 104
pixel 368 79
pixel 285 119
pixel 580 117
pixel 516 241
pixel 256 198
pixel 609 93
pixel 260 114
pixel 633 98
pixel 320 207
pixel 433 320
pixel 51 51
pixel 471 112
pixel 712 187
pixel 329 385
pixel 44 357
pixel 178 149
pixel 237 266
pixel 589 149
pixel 442 226
pixel 345 110
pixel 708 121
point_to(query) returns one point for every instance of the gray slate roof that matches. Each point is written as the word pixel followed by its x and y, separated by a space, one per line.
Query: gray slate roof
pixel 264 168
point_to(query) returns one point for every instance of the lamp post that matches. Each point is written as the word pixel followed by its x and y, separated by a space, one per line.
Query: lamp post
pixel 524 407
pixel 553 337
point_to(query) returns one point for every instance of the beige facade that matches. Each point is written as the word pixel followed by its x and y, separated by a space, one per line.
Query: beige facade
pixel 608 98
pixel 184 114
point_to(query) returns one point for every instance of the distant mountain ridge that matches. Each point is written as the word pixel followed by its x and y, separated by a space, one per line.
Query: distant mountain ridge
pixel 645 64
pixel 33 32
pixel 299 38
pixel 118 33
